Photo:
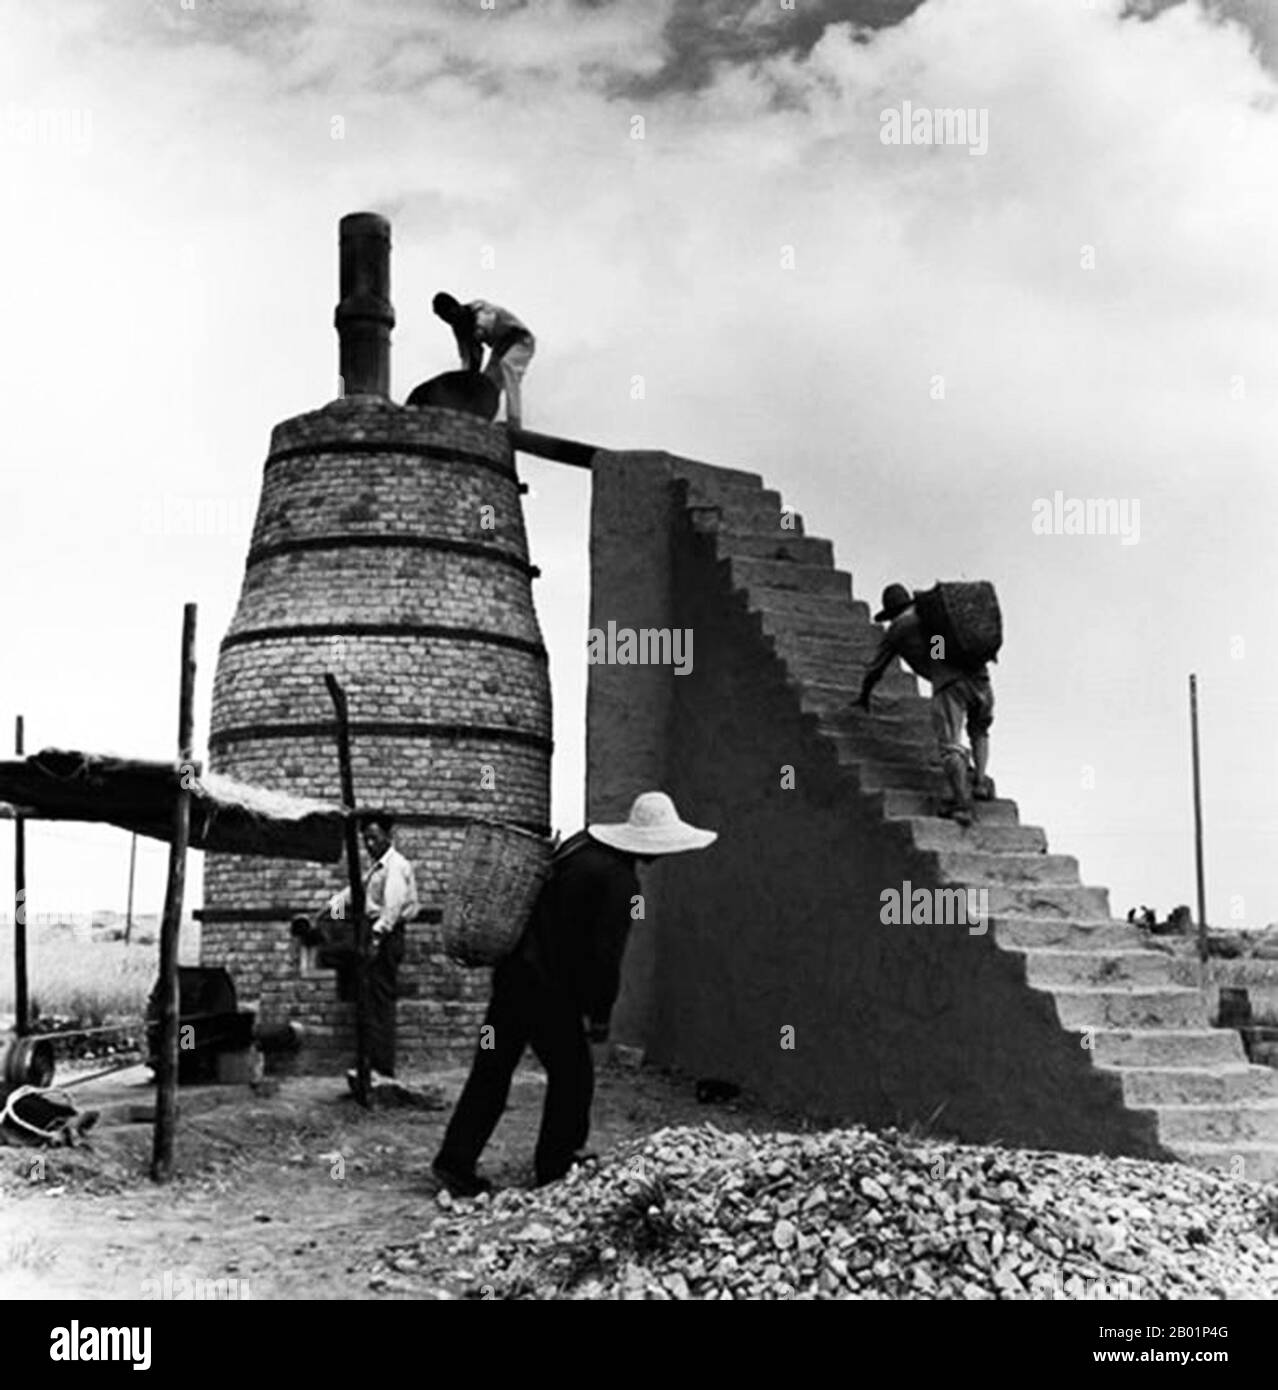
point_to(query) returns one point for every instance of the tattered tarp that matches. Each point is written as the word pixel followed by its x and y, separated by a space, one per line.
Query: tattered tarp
pixel 226 816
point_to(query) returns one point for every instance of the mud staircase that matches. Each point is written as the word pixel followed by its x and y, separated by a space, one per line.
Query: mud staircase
pixel 1211 1108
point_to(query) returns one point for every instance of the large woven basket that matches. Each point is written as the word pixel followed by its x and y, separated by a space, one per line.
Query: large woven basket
pixel 495 881
pixel 966 614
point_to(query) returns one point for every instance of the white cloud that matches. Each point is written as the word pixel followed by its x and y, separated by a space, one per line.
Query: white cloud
pixel 178 287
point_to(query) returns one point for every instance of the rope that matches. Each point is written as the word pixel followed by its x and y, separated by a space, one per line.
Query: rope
pixel 130 1024
pixel 106 1071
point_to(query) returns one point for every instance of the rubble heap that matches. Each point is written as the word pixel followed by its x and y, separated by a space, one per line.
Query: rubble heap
pixel 698 1213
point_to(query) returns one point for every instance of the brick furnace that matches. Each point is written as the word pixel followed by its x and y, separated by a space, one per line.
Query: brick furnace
pixel 389 548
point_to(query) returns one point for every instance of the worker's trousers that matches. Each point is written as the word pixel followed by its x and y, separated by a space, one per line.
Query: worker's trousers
pixel 505 369
pixel 525 1012
pixel 383 987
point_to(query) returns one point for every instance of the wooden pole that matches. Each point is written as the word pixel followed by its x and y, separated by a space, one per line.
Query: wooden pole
pixel 133 863
pixel 338 696
pixel 549 446
pixel 1198 821
pixel 171 922
pixel 22 1001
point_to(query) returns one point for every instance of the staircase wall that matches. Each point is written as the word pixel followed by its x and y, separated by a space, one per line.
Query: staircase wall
pixel 633 511
pixel 777 926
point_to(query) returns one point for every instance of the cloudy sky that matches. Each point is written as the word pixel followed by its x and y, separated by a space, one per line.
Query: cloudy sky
pixel 912 343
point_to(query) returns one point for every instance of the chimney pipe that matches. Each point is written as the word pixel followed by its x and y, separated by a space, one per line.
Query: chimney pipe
pixel 364 316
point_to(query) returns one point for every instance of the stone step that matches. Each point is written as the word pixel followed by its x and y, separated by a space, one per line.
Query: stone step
pixel 896 694
pixel 848 622
pixel 846 658
pixel 784 576
pixel 899 703
pixel 854 738
pixel 1020 932
pixel 912 725
pixel 853 734
pixel 935 833
pixel 803 550
pixel 845 647
pixel 794 603
pixel 760 513
pixel 886 745
pixel 708 479
pixel 1250 1162
pixel 1186 969
pixel 872 774
pixel 1166 1047
pixel 1245 1122
pixel 986 867
pixel 845 676
pixel 728 496
pixel 1048 900
pixel 1050 967
pixel 1167 1006
pixel 909 804
pixel 1144 1087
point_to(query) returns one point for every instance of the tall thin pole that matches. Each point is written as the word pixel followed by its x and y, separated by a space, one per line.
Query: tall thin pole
pixel 338 696
pixel 171 922
pixel 1198 821
pixel 133 864
pixel 22 1002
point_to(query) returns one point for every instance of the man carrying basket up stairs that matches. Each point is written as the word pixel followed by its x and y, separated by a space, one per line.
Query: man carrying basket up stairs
pixel 946 635
pixel 556 990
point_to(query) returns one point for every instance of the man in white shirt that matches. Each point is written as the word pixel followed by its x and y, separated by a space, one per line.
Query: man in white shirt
pixel 510 344
pixel 390 903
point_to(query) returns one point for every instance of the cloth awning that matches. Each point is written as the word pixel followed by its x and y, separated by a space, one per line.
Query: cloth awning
pixel 228 817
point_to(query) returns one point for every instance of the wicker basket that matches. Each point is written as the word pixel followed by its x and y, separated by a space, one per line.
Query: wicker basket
pixel 495 881
pixel 966 614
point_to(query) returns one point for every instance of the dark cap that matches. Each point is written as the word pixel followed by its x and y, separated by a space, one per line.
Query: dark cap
pixel 896 599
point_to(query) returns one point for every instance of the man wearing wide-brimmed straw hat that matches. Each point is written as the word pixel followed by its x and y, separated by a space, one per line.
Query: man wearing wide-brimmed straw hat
pixel 555 992
pixel 959 693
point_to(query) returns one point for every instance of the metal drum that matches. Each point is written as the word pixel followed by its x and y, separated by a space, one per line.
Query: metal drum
pixel 26 1062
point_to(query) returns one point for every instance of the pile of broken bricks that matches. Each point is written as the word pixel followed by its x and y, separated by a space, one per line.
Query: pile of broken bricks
pixel 696 1213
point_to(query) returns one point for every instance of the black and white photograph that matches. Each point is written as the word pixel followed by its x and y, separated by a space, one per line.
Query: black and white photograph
pixel 640 665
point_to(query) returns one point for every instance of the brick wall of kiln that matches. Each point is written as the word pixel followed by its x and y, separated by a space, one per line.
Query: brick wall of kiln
pixel 390 549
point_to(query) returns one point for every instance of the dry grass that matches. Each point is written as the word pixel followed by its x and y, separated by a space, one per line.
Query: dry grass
pixel 82 976
pixel 28 1253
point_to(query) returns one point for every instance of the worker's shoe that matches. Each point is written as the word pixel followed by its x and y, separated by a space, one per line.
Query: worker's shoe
pixel 584 1159
pixel 459 1183
pixel 982 789
pixel 958 811
pixel 375 1078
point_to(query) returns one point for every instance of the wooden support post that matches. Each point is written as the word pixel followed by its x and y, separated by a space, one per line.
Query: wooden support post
pixel 133 863
pixel 171 922
pixel 362 1080
pixel 22 1003
pixel 1198 821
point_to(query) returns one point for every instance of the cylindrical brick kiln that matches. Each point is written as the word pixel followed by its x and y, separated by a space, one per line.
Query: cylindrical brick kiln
pixel 389 548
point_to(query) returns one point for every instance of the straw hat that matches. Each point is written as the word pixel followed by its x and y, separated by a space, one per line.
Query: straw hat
pixel 654 827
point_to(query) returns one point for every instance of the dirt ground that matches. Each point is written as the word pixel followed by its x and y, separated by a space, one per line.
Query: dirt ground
pixel 261 1196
